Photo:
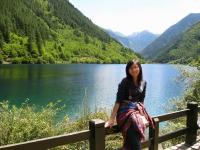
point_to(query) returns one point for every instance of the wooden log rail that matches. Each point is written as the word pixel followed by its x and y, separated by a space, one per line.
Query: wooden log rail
pixel 96 133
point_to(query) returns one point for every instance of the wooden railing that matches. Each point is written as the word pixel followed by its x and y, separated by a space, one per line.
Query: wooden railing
pixel 96 133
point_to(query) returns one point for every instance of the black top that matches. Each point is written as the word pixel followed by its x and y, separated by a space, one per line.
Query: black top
pixel 136 93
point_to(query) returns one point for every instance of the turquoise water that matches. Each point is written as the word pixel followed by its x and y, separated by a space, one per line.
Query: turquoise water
pixel 42 84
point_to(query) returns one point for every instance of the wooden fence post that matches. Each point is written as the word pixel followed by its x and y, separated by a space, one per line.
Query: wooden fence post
pixel 154 135
pixel 192 117
pixel 97 134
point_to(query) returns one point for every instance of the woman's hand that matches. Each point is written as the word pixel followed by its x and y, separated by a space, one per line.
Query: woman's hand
pixel 139 107
pixel 109 123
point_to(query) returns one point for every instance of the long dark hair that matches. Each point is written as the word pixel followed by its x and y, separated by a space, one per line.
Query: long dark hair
pixel 140 75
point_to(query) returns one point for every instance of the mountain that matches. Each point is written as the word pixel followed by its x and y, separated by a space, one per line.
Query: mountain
pixel 140 40
pixel 112 33
pixel 169 37
pixel 136 41
pixel 54 31
pixel 186 50
pixel 118 36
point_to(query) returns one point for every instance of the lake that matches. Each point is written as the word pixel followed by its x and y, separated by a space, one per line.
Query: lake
pixel 42 84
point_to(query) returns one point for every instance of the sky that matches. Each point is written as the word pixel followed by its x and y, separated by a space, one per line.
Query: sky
pixel 129 16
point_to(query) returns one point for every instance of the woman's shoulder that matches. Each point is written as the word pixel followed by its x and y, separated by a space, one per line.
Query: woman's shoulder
pixel 124 81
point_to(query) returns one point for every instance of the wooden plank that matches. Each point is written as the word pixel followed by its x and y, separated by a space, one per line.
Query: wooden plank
pixel 191 123
pixel 199 109
pixel 173 134
pixel 114 129
pixel 172 115
pixel 155 135
pixel 97 134
pixel 146 144
pixel 49 142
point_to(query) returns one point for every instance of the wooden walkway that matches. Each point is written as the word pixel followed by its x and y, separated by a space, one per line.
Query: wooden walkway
pixel 182 146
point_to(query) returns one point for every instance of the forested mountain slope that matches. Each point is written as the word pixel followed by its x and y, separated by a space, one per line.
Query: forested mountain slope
pixel 54 31
pixel 174 33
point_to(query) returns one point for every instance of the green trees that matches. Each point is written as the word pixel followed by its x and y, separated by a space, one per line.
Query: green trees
pixel 1 58
pixel 30 45
pixel 39 42
pixel 1 41
pixel 87 40
pixel 5 31
pixel 65 11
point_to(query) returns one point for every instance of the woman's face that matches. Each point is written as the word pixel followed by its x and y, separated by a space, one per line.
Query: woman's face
pixel 134 70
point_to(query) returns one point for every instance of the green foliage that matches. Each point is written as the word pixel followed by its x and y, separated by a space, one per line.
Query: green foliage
pixel 1 58
pixel 22 124
pixel 30 45
pixel 1 41
pixel 39 43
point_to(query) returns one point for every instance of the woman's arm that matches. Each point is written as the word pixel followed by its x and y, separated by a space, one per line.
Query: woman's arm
pixel 120 96
pixel 111 121
pixel 114 111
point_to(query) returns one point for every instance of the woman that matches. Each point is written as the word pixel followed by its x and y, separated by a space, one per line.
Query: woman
pixel 128 105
